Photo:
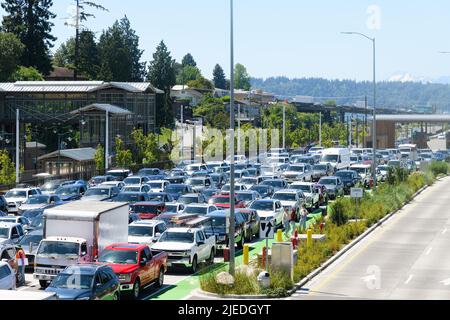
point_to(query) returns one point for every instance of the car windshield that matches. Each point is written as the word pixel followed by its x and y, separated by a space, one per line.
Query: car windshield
pixel 155 185
pixel 296 168
pixel 4 233
pixel 171 208
pixel 37 222
pixel 328 181
pixel 73 281
pixel 260 189
pixel 157 197
pixel 177 237
pixel 345 175
pixel 174 189
pixel 285 196
pixel 220 200
pixel 131 189
pixel 273 183
pixel 245 196
pixel 16 194
pixel 97 192
pixel 67 191
pixel 302 187
pixel 37 200
pixel 249 180
pixel 360 170
pixel 330 158
pixel 125 197
pixel 49 186
pixel 144 209
pixel 26 240
pixel 188 200
pixel 196 182
pixel 262 205
pixel 226 187
pixel 383 168
pixel 320 167
pixel 354 158
pixel 59 248
pixel 133 180
pixel 219 222
pixel 140 231
pixel 196 210
pixel 118 257
pixel 193 168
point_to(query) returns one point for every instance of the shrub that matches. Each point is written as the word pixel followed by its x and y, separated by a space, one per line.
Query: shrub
pixel 438 168
pixel 340 212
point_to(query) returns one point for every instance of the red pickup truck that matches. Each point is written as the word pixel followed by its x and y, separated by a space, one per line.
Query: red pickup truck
pixel 223 202
pixel 136 266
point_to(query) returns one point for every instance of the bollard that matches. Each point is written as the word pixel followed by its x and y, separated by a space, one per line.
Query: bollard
pixel 279 235
pixel 310 238
pixel 264 254
pixel 246 254
pixel 322 225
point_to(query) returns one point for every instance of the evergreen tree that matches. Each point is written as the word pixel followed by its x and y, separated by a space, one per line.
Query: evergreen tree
pixel 132 43
pixel 188 73
pixel 64 56
pixel 188 60
pixel 220 81
pixel 162 75
pixel 30 21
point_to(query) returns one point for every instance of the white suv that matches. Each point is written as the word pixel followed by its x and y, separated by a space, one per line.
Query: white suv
pixel 7 277
pixel 15 197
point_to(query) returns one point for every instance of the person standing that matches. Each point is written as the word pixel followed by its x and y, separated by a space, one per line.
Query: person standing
pixel 286 223
pixel 303 217
pixel 293 220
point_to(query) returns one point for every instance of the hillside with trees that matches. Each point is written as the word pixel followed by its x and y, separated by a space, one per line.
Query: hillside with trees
pixel 390 94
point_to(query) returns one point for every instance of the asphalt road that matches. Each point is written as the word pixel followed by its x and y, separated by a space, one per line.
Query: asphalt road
pixel 408 258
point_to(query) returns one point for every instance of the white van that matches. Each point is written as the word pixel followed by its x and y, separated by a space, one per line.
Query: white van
pixel 409 151
pixel 338 158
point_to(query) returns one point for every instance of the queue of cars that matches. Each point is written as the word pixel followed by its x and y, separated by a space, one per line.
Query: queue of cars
pixel 168 219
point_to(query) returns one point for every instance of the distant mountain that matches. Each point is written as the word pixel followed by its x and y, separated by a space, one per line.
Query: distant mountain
pixel 400 93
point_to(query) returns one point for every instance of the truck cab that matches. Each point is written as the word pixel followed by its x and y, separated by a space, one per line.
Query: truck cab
pixel 54 254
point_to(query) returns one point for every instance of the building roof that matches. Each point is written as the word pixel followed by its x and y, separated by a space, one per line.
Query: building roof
pixel 32 145
pixel 84 154
pixel 74 86
pixel 413 117
pixel 112 109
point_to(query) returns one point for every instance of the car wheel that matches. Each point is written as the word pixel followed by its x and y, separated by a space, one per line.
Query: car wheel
pixel 43 284
pixel 136 289
pixel 194 266
pixel 211 257
pixel 241 243
pixel 160 281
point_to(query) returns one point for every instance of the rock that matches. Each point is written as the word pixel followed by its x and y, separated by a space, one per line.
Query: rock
pixel 225 278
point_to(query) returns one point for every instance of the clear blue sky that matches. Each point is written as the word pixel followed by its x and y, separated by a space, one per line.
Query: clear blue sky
pixel 294 38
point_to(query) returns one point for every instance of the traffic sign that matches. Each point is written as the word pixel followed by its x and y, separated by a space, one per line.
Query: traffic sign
pixel 357 193
pixel 267 229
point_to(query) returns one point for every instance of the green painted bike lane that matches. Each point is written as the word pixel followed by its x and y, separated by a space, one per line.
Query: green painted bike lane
pixel 184 287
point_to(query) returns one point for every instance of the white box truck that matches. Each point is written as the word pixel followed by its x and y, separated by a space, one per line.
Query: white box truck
pixel 77 233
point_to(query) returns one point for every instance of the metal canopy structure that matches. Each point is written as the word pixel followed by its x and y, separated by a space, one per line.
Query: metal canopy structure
pixel 83 154
pixel 413 118
pixel 111 109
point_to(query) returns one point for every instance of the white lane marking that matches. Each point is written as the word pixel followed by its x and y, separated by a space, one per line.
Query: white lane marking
pixel 445 231
pixel 409 279
pixel 429 251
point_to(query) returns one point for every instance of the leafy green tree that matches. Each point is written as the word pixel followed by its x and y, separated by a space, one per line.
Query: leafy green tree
pixel 88 59
pixel 7 169
pixel 27 74
pixel 162 75
pixel 220 81
pixel 201 83
pixel 187 73
pixel 124 157
pixel 99 158
pixel 147 147
pixel 31 22
pixel 188 60
pixel 11 50
pixel 213 111
pixel 242 78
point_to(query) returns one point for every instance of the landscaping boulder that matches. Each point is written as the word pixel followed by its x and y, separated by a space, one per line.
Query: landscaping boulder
pixel 224 278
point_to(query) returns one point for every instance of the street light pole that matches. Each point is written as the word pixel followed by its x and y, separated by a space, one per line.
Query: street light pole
pixel 17 146
pixel 284 126
pixel 374 117
pixel 232 168
pixel 107 141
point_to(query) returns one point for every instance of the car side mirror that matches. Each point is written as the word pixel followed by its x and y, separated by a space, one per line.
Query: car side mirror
pixel 157 235
pixel 143 262
pixel 200 243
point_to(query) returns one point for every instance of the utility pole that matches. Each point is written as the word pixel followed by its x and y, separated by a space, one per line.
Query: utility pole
pixel 182 132
pixel 284 126
pixel 239 129
pixel 231 233
pixel 77 41
pixel 107 141
pixel 320 130
pixel 17 146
